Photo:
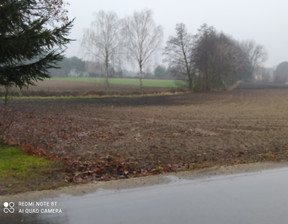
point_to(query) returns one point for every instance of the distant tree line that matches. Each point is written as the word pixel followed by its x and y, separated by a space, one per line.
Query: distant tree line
pixel 69 67
pixel 77 67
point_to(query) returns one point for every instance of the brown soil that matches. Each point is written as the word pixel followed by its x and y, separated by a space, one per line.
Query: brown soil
pixel 103 139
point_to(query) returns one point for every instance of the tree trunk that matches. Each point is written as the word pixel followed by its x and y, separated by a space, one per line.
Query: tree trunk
pixel 6 97
pixel 6 116
pixel 140 79
pixel 190 80
pixel 107 86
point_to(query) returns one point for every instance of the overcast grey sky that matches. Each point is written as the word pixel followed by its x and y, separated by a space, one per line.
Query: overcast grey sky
pixel 265 21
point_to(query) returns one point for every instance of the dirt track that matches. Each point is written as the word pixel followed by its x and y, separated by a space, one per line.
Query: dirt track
pixel 137 136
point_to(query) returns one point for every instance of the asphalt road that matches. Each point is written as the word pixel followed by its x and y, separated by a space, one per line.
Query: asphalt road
pixel 258 197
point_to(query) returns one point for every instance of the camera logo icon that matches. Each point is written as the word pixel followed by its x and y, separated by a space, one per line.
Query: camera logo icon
pixel 9 207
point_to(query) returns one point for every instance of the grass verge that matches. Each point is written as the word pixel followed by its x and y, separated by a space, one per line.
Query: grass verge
pixel 126 81
pixel 20 172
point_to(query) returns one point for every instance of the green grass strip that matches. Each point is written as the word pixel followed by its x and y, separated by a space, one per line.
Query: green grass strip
pixel 15 164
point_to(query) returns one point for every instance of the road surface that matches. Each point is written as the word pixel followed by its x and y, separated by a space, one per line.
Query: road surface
pixel 257 197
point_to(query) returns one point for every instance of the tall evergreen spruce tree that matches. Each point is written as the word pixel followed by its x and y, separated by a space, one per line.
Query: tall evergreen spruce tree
pixel 29 44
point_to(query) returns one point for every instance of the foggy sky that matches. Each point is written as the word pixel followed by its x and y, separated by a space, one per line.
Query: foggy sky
pixel 265 21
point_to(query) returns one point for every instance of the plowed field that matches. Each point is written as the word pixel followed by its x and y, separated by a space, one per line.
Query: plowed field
pixel 132 136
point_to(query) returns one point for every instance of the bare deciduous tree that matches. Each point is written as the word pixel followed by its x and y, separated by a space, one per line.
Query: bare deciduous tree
pixel 143 38
pixel 204 55
pixel 219 60
pixel 256 54
pixel 281 73
pixel 229 61
pixel 102 40
pixel 178 52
